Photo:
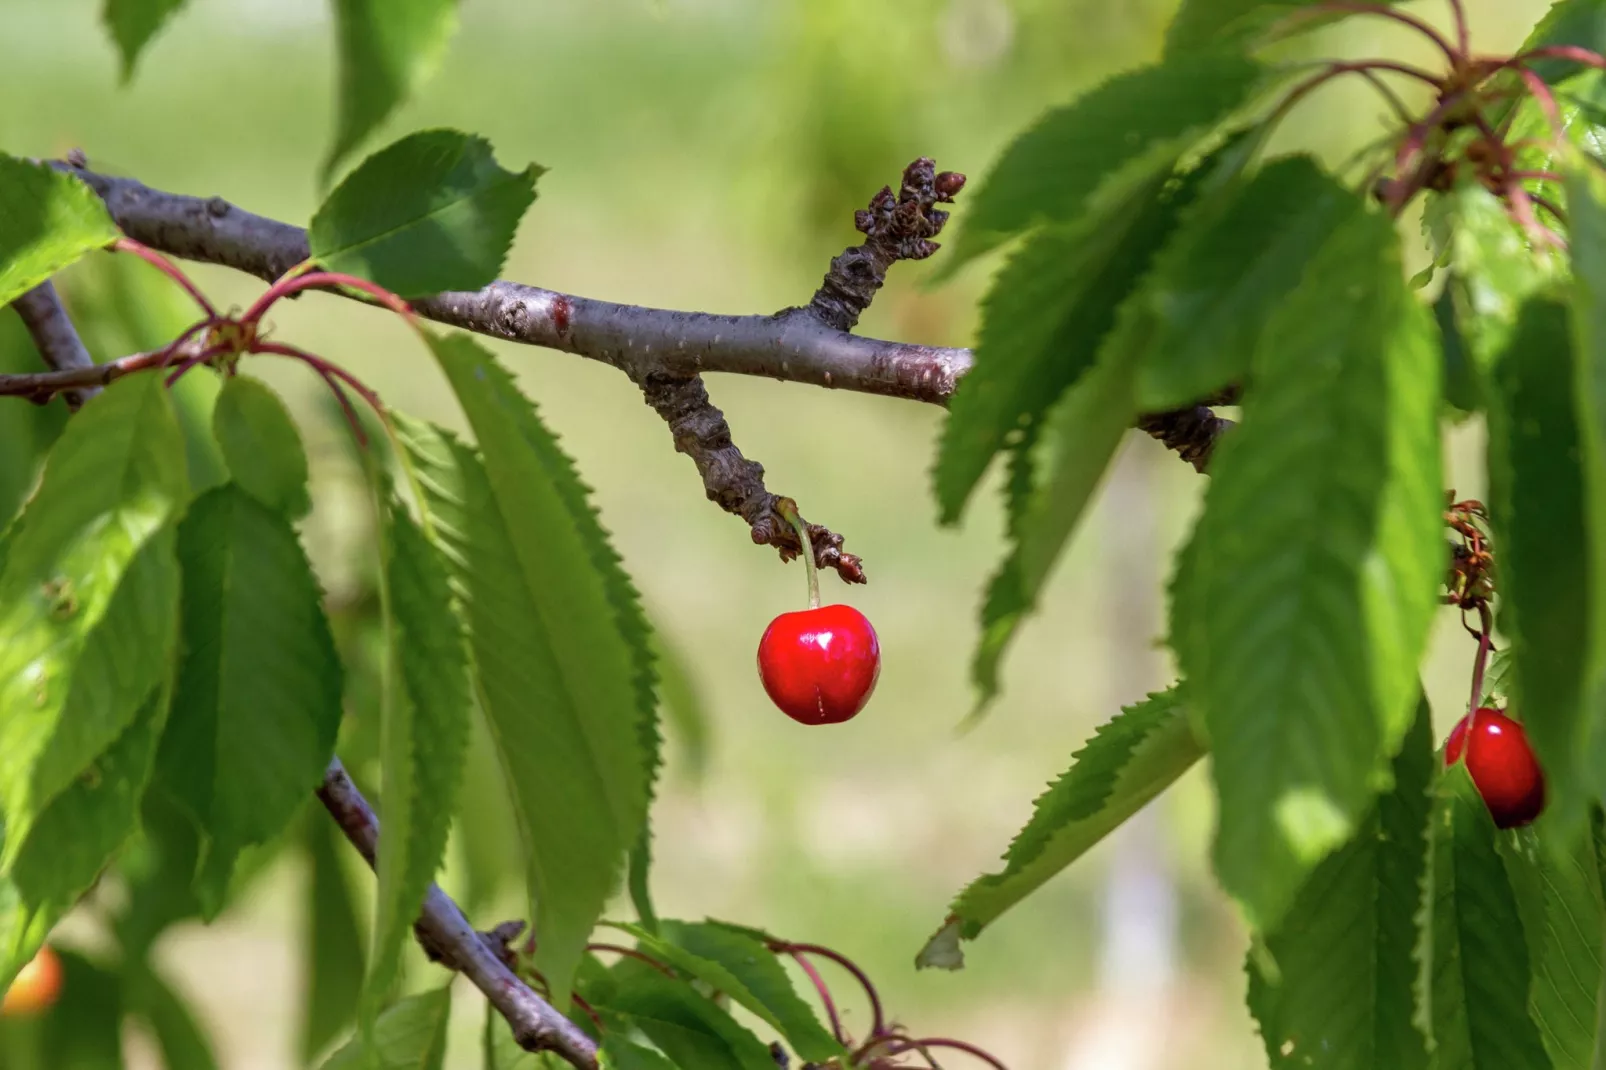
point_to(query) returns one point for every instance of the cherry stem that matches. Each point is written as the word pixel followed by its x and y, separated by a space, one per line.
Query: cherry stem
pixel 168 268
pixel 1481 661
pixel 787 509
pixel 878 1024
pixel 1568 52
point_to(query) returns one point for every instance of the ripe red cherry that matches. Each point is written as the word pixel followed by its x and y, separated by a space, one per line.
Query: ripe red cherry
pixel 1502 766
pixel 820 665
pixel 36 986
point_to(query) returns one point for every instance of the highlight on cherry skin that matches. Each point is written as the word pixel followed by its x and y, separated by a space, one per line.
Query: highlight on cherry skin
pixel 36 986
pixel 820 665
pixel 1502 765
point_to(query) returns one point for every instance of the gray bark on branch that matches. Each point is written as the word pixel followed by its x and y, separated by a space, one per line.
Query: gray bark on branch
pixel 46 319
pixel 448 938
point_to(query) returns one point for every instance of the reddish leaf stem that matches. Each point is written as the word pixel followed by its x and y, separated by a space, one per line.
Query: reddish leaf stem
pixel 878 1020
pixel 943 1042
pixel 1353 7
pixel 1481 661
pixel 290 285
pixel 168 268
pixel 824 993
pixel 632 953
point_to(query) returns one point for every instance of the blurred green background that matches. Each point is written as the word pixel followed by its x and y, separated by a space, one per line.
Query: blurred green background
pixel 709 154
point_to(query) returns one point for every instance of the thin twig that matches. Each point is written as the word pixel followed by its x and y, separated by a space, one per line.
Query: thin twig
pixel 55 336
pixel 447 935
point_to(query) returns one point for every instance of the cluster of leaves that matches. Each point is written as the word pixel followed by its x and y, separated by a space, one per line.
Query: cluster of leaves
pixel 1164 259
pixel 177 684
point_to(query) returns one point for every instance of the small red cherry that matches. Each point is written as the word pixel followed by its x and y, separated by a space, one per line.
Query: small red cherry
pixel 1502 766
pixel 820 665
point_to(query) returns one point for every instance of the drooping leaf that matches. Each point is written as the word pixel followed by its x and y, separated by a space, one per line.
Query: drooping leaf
pixel 334 943
pixel 1472 991
pixel 1117 136
pixel 1207 24
pixel 158 871
pixel 261 446
pixel 432 212
pixel 258 700
pixel 734 962
pixel 1542 539
pixel 386 49
pixel 86 604
pixel 1304 599
pixel 423 738
pixel 1341 993
pixel 1586 202
pixel 1232 262
pixel 1130 760
pixel 132 24
pixel 560 647
pixel 47 220
pixel 410 1035
pixel 1556 881
pixel 1078 438
pixel 183 1043
pixel 688 1027
pixel 1042 323
pixel 78 834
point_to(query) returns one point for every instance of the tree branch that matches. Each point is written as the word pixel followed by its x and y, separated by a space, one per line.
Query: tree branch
pixel 53 332
pixel 665 351
pixel 448 938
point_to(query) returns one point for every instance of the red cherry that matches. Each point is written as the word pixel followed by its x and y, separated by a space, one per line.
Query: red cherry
pixel 820 665
pixel 1502 766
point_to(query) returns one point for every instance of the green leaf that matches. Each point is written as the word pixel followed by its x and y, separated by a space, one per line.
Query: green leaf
pixel 47 220
pixel 498 1049
pixel 689 1028
pixel 1586 203
pixel 411 1035
pixel 158 870
pixel 1305 597
pixel 258 700
pixel 84 826
pixel 1556 881
pixel 1232 262
pixel 735 962
pixel 619 1053
pixel 1131 759
pixel 132 24
pixel 83 1029
pixel 1119 135
pixel 1492 273
pixel 560 647
pixel 334 945
pixel 423 738
pixel 261 446
pixel 1537 506
pixel 121 304
pixel 432 212
pixel 1078 437
pixel 1472 991
pixel 1341 991
pixel 86 606
pixel 387 49
pixel 183 1043
pixel 1202 24
pixel 1043 321
pixel 26 435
